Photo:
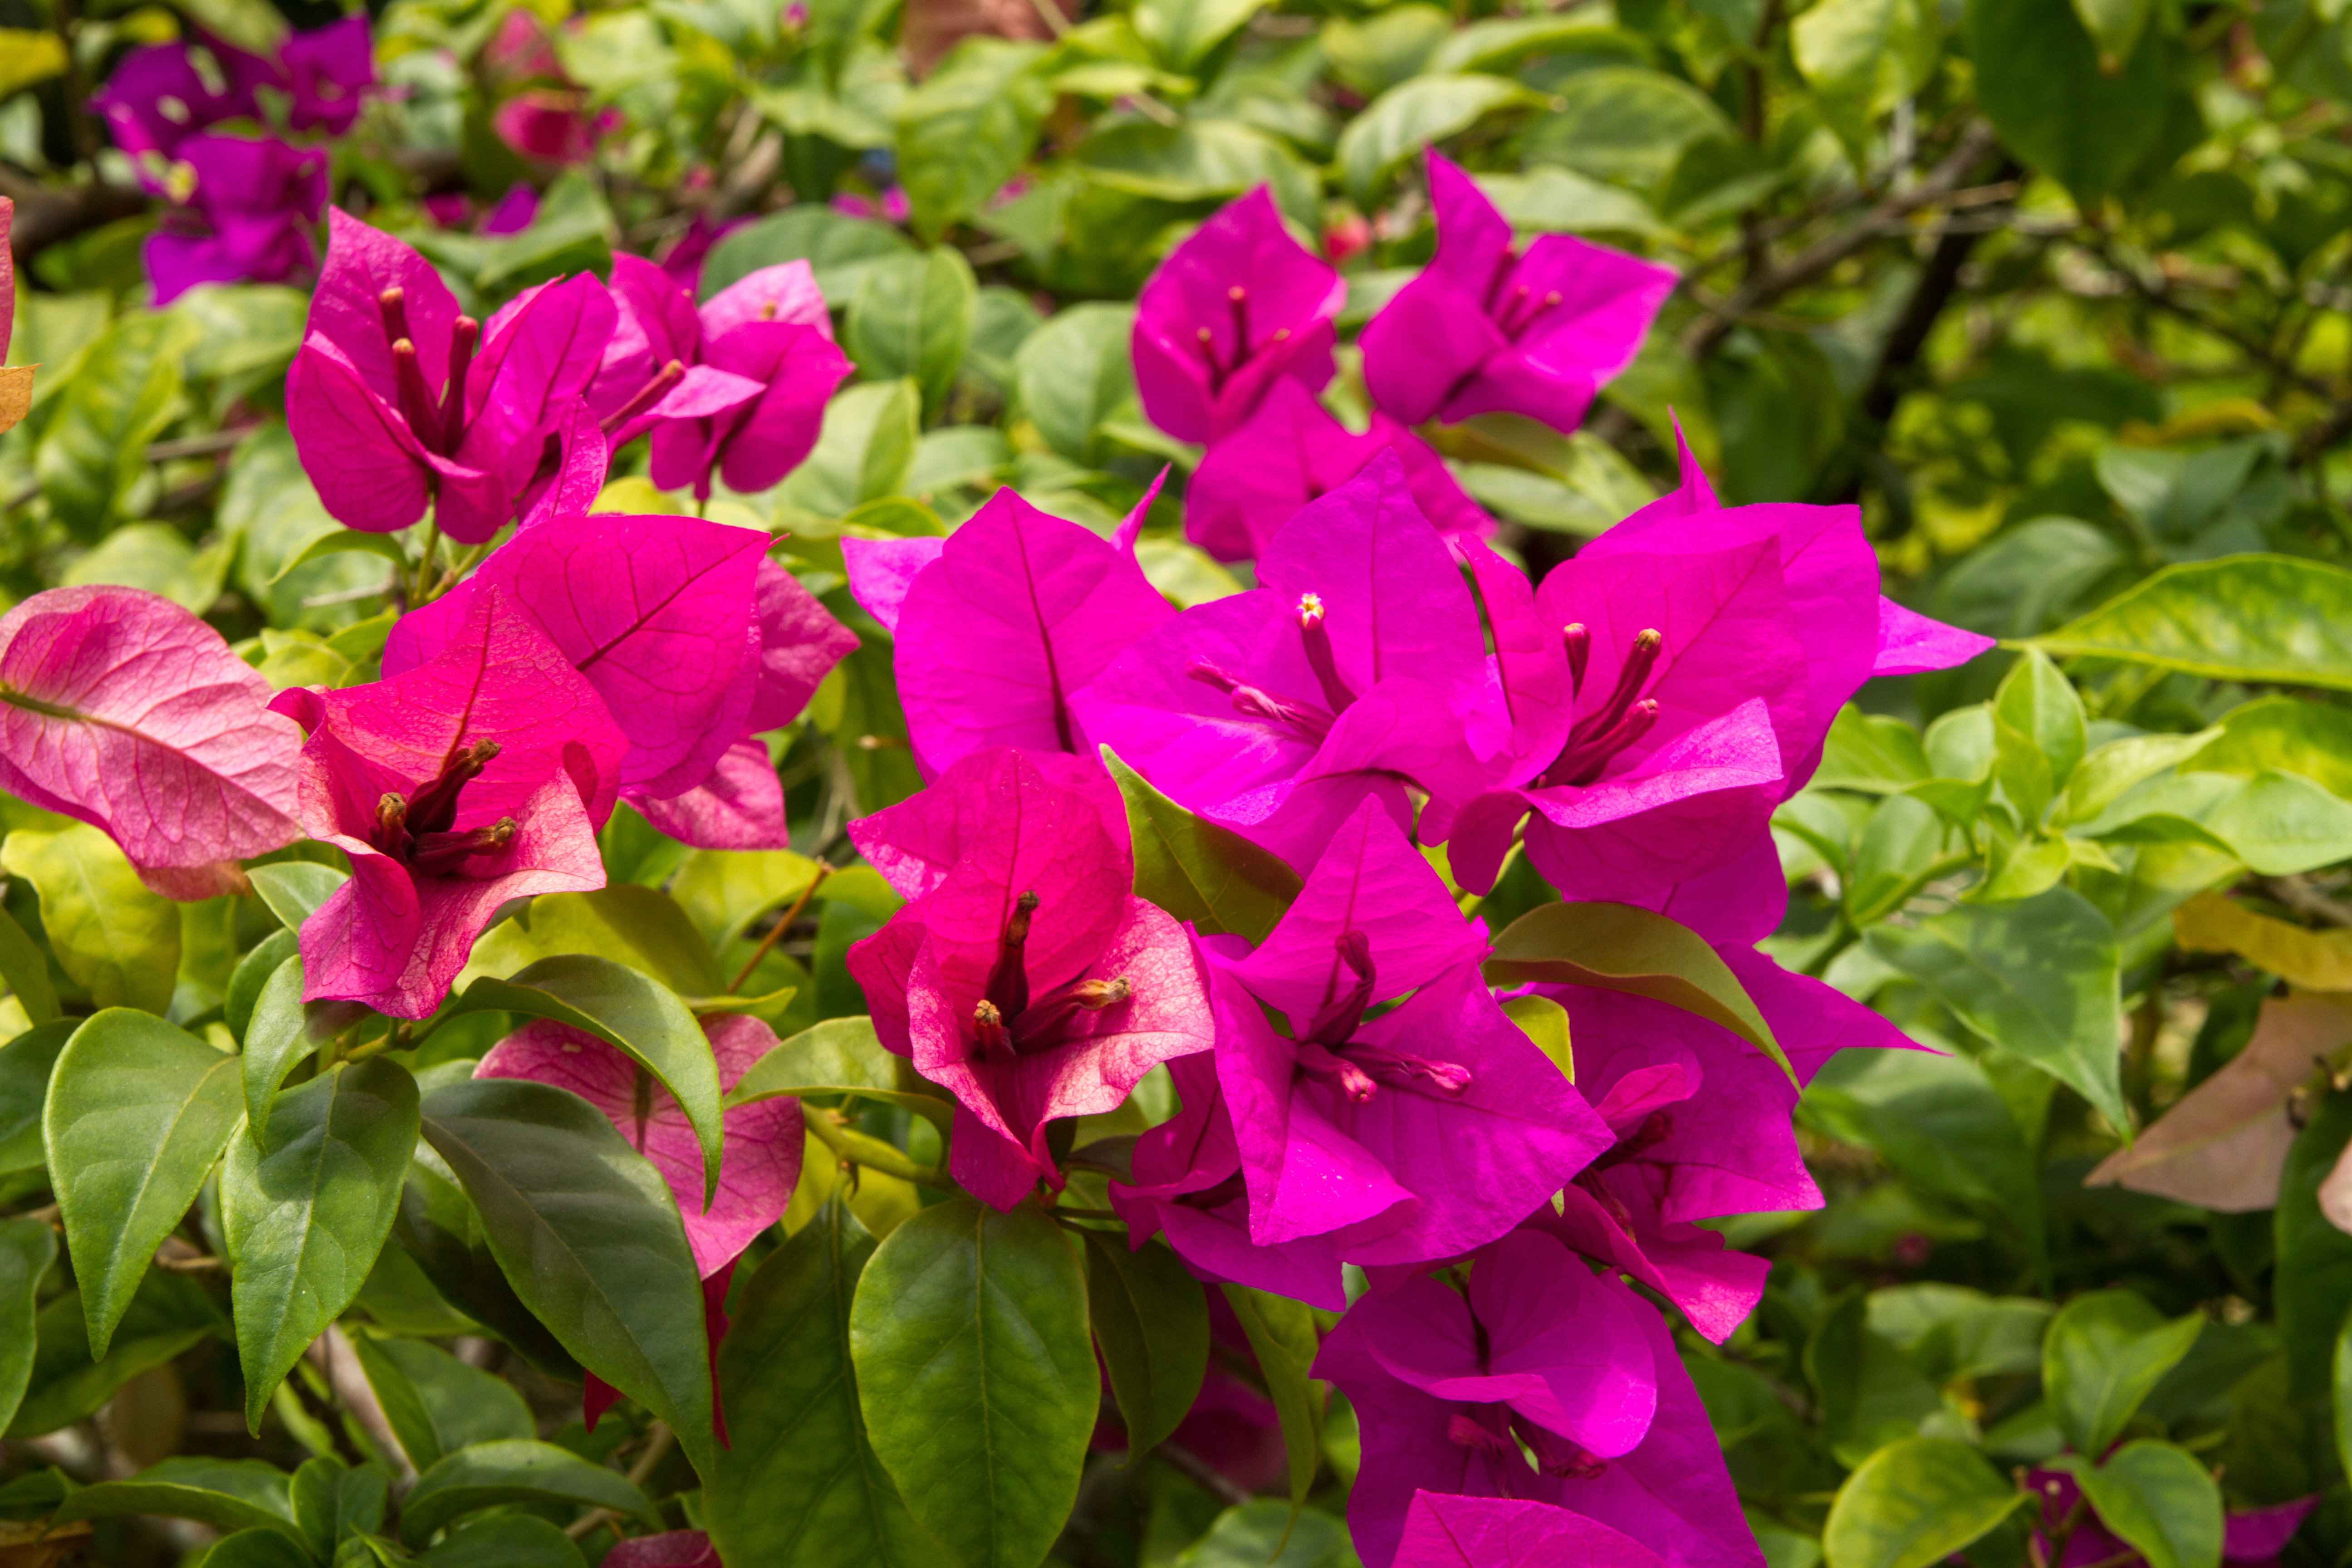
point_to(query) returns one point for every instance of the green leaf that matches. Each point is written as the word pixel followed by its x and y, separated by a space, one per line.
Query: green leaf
pixel 1195 162
pixel 1916 1502
pixel 2107 773
pixel 443 1234
pixel 227 1494
pixel 1414 114
pixel 108 932
pixel 2315 1260
pixel 26 971
pixel 1873 754
pixel 1870 1393
pixel 2344 1395
pixel 862 452
pixel 94 448
pixel 799 1483
pixel 138 1112
pixel 836 1057
pixel 170 1314
pixel 295 888
pixel 725 892
pixel 1862 57
pixel 28 1247
pixel 2037 706
pixel 26 1063
pixel 1282 1336
pixel 1071 373
pixel 2039 81
pixel 333 1501
pixel 1894 854
pixel 344 542
pixel 2278 823
pixel 1620 948
pixel 2115 27
pixel 515 1471
pixel 435 1402
pixel 837 247
pixel 258 1548
pixel 635 1014
pixel 1151 1319
pixel 1626 125
pixel 2159 1499
pixel 306 1207
pixel 1264 1533
pixel 641 927
pixel 2274 618
pixel 977 1378
pixel 2039 978
pixel 912 318
pixel 1545 1022
pixel 588 1236
pixel 2104 1352
pixel 2286 734
pixel 1181 32
pixel 251 974
pixel 1197 870
pixel 504 1540
pixel 157 557
pixel 968 128
pixel 281 1030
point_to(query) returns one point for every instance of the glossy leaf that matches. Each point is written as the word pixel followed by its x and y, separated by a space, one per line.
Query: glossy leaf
pixel 1197 870
pixel 109 934
pixel 515 1471
pixel 1264 1533
pixel 628 1010
pixel 1072 371
pixel 443 1234
pixel 342 542
pixel 28 1247
pixel 2314 1258
pixel 1413 114
pixel 436 1403
pixel 1151 1319
pixel 26 972
pixel 138 1112
pixel 912 318
pixel 258 1548
pixel 2037 720
pixel 1282 1336
pixel 333 1501
pixel 967 128
pixel 251 974
pixel 2104 1352
pixel 279 1032
pixel 2272 618
pixel 306 1207
pixel 640 927
pixel 503 1540
pixel 227 1494
pixel 2158 1497
pixel 26 1063
pixel 1916 1502
pixel 2040 83
pixel 2039 978
pixel 589 1237
pixel 295 888
pixel 1620 948
pixel 977 1378
pixel 799 1484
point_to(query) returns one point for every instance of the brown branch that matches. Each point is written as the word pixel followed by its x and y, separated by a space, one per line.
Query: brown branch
pixel 1203 1474
pixel 1703 336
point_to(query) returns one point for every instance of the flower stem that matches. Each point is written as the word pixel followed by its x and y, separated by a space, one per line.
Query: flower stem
pixel 790 915
pixel 863 1149
pixel 424 565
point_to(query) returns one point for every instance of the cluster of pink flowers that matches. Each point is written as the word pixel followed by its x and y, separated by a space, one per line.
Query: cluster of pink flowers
pixel 243 204
pixel 1356 1101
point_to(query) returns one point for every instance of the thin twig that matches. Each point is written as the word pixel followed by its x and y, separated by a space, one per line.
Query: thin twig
pixel 790 915
pixel 659 1440
pixel 2297 894
pixel 198 446
pixel 1203 1474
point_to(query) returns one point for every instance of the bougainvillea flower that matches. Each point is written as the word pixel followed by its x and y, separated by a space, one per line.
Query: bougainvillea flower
pixel 1188 1186
pixel 478 776
pixel 658 612
pixel 1670 1492
pixel 1486 329
pixel 1445 1531
pixel 552 125
pixel 672 1549
pixel 1685 682
pixel 800 642
pixel 1028 981
pixel 249 209
pixel 1537 1332
pixel 1292 450
pixel 1000 623
pixel 918 842
pixel 122 710
pixel 155 97
pixel 327 72
pixel 1424 1131
pixel 763 1140
pixel 1344 674
pixel 1237 307
pixel 737 387
pixel 395 397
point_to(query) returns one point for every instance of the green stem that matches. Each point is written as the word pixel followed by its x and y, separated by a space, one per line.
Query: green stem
pixel 859 1148
pixel 424 565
